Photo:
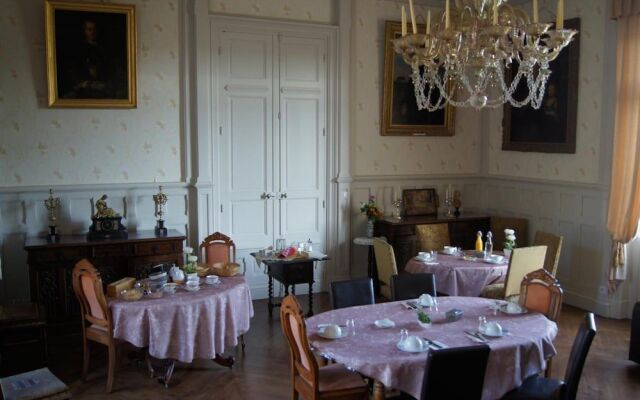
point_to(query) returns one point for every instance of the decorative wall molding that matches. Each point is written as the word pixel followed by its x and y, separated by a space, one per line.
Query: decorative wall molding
pixel 22 215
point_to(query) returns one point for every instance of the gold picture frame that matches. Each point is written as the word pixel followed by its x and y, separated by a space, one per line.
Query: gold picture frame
pixel 85 68
pixel 400 114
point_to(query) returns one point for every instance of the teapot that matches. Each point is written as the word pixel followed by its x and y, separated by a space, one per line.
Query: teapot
pixel 176 274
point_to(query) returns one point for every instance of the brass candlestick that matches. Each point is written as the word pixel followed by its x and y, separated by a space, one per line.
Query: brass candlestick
pixel 397 214
pixel 52 204
pixel 160 199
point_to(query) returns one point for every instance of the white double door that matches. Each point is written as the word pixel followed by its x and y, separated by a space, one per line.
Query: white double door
pixel 271 99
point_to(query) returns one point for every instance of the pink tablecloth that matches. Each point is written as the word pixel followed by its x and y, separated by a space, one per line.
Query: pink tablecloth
pixel 457 277
pixel 372 351
pixel 185 325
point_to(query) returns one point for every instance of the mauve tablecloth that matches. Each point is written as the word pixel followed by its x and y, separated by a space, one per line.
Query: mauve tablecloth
pixel 373 352
pixel 458 277
pixel 186 325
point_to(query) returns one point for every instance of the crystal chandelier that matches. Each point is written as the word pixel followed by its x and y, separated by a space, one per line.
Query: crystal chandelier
pixel 478 52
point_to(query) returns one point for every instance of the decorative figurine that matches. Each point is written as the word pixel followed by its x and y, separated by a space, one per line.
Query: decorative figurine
pixel 457 202
pixel 397 214
pixel 160 199
pixel 107 223
pixel 52 205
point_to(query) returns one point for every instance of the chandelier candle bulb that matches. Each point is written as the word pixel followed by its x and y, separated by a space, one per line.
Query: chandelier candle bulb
pixel 428 22
pixel 447 21
pixel 560 15
pixel 404 22
pixel 495 12
pixel 414 28
pixel 536 17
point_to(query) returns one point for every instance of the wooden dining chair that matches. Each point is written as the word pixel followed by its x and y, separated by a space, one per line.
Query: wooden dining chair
pixel 354 292
pixel 219 248
pixel 537 387
pixel 216 248
pixel 333 381
pixel 432 236
pixel 455 373
pixel 519 225
pixel 411 286
pixel 554 246
pixel 541 292
pixel 386 264
pixel 523 260
pixel 95 315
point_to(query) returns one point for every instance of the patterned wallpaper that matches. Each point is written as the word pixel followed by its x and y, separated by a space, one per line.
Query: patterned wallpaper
pixel 321 11
pixel 43 146
pixel 584 165
pixel 379 155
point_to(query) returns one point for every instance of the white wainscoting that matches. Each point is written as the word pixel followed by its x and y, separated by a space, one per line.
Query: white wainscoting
pixel 22 215
pixel 575 211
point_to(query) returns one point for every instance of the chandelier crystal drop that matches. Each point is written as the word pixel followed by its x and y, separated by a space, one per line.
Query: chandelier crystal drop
pixel 481 53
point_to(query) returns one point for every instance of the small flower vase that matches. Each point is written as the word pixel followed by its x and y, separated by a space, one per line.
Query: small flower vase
pixel 370 223
pixel 507 252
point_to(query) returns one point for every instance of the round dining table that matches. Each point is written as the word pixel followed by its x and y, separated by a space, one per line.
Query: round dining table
pixel 456 276
pixel 373 351
pixel 186 325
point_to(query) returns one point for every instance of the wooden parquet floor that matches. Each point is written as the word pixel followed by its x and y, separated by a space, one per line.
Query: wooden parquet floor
pixel 262 373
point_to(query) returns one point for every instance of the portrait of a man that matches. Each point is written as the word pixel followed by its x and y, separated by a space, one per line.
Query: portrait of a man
pixel 91 51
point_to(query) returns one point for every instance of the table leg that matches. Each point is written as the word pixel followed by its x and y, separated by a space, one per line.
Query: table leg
pixel 270 301
pixel 224 361
pixel 378 390
pixel 293 289
pixel 310 313
pixel 286 290
pixel 373 271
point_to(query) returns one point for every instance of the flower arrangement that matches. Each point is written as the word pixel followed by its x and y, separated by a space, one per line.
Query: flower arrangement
pixel 510 239
pixel 371 210
pixel 191 261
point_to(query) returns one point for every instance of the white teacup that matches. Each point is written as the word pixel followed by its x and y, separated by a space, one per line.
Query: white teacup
pixel 513 308
pixel 332 331
pixel 493 329
pixel 425 300
pixel 212 279
pixel 449 249
pixel 424 255
pixel 413 343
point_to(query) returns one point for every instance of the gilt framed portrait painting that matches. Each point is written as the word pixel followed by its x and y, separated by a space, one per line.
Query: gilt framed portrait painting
pixel 91 54
pixel 400 114
pixel 552 127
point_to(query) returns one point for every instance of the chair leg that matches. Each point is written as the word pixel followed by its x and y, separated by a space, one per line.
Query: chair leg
pixel 86 356
pixel 547 372
pixel 242 342
pixel 112 366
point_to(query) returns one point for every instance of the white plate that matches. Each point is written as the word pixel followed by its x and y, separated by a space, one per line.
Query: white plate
pixel 423 349
pixel 191 288
pixel 344 334
pixel 423 259
pixel 384 323
pixel 495 262
pixel 522 310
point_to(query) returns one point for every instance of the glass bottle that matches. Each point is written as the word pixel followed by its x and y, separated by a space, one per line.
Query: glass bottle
pixel 479 241
pixel 488 245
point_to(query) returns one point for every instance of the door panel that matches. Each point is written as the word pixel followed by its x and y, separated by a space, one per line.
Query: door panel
pixel 302 140
pixel 245 109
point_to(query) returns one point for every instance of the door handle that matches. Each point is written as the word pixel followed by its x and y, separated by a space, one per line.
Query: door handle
pixel 266 196
pixel 283 196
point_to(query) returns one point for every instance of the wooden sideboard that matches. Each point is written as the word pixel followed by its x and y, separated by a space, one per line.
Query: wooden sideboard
pixel 51 265
pixel 401 234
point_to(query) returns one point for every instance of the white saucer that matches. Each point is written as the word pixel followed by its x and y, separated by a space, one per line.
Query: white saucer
pixel 423 349
pixel 344 334
pixel 423 259
pixel 495 262
pixel 505 332
pixel 503 308
pixel 191 288
pixel 384 323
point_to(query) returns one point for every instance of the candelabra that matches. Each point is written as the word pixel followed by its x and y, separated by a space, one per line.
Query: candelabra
pixel 160 199
pixel 52 204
